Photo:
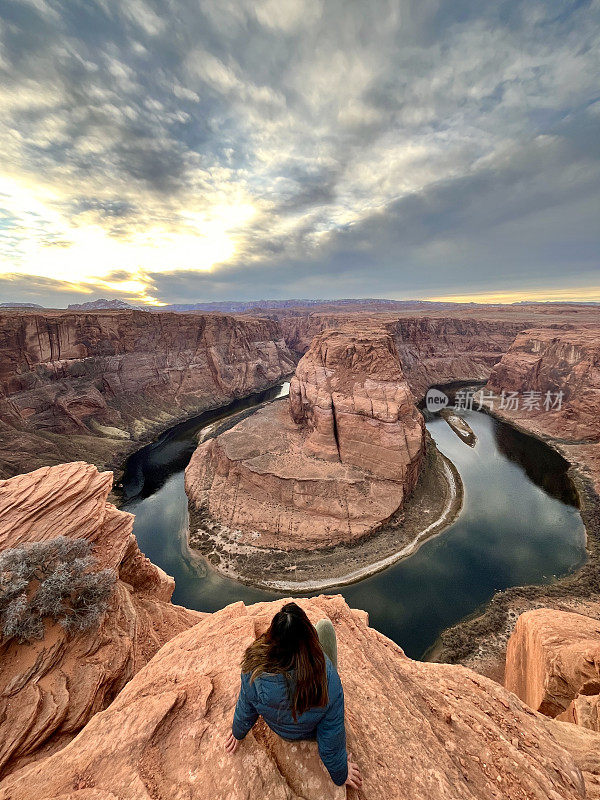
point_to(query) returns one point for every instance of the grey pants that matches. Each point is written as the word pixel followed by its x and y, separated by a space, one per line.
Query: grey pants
pixel 326 634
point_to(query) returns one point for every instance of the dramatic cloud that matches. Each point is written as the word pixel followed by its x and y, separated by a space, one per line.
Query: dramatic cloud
pixel 182 150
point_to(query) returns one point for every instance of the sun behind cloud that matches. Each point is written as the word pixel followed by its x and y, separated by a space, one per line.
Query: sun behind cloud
pixel 88 254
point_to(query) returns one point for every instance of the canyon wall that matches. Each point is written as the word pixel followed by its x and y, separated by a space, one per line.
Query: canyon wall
pixel 559 369
pixel 565 360
pixel 328 467
pixel 432 349
pixel 417 730
pixel 90 385
pixel 50 688
pixel 94 384
pixel 442 350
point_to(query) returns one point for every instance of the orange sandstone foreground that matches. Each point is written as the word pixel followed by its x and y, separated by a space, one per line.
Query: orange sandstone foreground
pixel 49 689
pixel 417 730
pixel 139 709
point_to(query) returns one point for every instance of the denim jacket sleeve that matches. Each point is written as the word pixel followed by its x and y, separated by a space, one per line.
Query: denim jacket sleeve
pixel 331 733
pixel 245 714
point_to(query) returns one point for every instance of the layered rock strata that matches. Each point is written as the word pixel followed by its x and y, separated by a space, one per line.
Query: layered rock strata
pixel 50 688
pixel 93 384
pixel 432 350
pixel 417 730
pixel 564 363
pixel 444 350
pixel 331 466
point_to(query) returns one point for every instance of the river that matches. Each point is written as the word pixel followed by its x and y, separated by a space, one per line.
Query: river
pixel 519 525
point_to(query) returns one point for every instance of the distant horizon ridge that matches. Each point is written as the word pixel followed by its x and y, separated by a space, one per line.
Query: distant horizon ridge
pixel 103 303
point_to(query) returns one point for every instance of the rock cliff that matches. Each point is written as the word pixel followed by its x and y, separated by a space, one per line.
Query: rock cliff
pixel 328 468
pixel 432 349
pixel 350 396
pixel 90 385
pixel 553 664
pixel 555 360
pixel 50 688
pixel 442 350
pixel 417 730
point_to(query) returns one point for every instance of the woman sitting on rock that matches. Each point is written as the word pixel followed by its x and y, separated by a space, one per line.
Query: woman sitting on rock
pixel 290 679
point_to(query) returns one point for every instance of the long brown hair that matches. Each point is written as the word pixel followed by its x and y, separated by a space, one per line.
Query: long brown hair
pixel 291 645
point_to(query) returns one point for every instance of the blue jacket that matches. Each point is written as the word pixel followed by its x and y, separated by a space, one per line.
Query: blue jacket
pixel 268 697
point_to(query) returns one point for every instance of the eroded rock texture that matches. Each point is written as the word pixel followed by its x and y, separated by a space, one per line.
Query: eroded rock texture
pixel 432 349
pixel 553 664
pixel 417 730
pixel 332 466
pixel 88 385
pixel 556 360
pixel 49 689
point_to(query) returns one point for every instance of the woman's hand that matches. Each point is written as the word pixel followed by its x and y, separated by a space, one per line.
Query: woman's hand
pixel 354 779
pixel 231 744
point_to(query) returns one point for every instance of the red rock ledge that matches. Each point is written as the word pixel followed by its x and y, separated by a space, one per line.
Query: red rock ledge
pixel 50 688
pixel 418 731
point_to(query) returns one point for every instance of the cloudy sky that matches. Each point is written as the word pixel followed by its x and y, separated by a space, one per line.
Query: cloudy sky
pixel 196 150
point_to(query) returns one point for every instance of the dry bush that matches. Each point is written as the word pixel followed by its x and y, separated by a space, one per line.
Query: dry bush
pixel 51 580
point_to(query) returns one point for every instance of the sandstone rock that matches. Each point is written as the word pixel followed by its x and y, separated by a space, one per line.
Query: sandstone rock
pixel 442 350
pixel 555 360
pixel 417 730
pixel 259 483
pixel 552 657
pixel 50 688
pixel 432 349
pixel 584 711
pixel 351 396
pixel 78 383
pixel 559 359
pixel 339 467
pixel 584 747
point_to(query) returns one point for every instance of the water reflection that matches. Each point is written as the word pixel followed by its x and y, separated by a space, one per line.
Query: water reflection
pixel 543 465
pixel 518 526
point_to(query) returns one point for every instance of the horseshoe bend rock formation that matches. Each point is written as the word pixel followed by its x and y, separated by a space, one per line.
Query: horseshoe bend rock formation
pixel 330 467
pixel 432 349
pixel 88 385
pixel 51 687
pixel 417 730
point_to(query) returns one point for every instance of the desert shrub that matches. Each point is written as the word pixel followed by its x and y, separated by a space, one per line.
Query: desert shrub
pixel 51 580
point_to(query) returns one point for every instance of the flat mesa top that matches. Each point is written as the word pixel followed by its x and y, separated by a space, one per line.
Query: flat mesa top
pixel 269 441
